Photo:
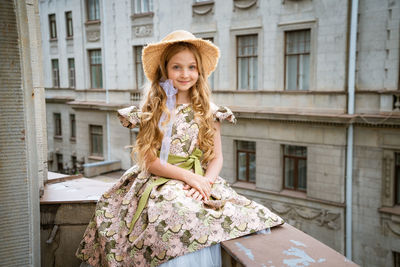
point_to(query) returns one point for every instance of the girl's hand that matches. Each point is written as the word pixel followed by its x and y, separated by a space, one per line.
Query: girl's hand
pixel 199 183
pixel 194 194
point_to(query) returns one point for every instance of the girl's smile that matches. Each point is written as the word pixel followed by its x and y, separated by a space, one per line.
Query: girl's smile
pixel 182 70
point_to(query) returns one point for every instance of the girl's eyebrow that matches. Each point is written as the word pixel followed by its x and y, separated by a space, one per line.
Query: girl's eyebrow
pixel 177 63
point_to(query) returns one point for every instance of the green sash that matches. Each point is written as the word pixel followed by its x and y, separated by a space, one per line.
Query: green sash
pixel 187 163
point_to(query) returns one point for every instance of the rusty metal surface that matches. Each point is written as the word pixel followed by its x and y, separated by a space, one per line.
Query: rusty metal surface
pixel 282 246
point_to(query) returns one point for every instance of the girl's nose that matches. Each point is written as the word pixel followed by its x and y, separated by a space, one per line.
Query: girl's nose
pixel 185 73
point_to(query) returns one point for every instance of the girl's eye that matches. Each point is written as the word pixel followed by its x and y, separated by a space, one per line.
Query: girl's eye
pixel 192 67
pixel 175 67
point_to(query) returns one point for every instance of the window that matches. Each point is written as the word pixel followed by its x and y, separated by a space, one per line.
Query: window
pixel 211 78
pixel 68 23
pixel 140 78
pixel 71 72
pixel 96 76
pixel 247 66
pixel 396 259
pixel 295 167
pixel 74 169
pixel 55 73
pixel 57 125
pixel 93 10
pixel 60 165
pixel 73 126
pixel 96 140
pixel 246 161
pixel 297 60
pixel 397 179
pixel 143 6
pixel 52 26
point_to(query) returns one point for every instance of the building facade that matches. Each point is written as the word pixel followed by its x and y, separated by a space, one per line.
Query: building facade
pixel 284 72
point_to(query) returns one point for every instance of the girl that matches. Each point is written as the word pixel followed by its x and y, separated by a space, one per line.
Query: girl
pixel 173 202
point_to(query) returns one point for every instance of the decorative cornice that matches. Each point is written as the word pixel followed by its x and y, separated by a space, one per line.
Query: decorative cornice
pixel 368 120
pixel 94 105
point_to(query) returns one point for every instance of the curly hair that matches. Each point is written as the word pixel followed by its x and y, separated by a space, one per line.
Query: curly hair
pixel 149 138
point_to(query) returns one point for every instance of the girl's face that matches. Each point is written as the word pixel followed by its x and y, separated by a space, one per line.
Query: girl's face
pixel 182 70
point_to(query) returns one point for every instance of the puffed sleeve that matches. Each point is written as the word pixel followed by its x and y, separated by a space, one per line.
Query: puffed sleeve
pixel 222 113
pixel 130 116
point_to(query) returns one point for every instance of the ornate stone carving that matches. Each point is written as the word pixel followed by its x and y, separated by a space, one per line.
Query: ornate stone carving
pixel 143 30
pixel 293 214
pixel 243 4
pixel 202 8
pixel 391 227
pixel 93 35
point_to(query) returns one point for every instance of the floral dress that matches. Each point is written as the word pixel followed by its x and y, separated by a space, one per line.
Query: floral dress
pixel 171 224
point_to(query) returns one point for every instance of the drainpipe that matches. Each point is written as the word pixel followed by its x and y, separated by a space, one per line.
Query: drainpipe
pixel 103 35
pixel 350 136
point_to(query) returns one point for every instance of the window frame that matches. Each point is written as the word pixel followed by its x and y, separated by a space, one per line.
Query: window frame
pixel 52 31
pixel 69 27
pixel 256 35
pixel 55 73
pixel 91 134
pixel 295 175
pixel 247 152
pixel 150 7
pixel 71 73
pixel 90 68
pixel 60 156
pixel 57 125
pixel 298 56
pixel 97 7
pixel 211 78
pixel 396 195
pixel 72 120
pixel 137 51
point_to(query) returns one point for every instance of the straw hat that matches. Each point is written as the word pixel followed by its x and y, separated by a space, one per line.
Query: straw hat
pixel 152 52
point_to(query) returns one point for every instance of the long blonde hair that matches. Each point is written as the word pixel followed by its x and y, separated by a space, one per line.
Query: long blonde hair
pixel 149 138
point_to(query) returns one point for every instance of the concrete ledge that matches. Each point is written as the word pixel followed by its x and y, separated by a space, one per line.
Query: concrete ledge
pixel 67 207
pixel 97 168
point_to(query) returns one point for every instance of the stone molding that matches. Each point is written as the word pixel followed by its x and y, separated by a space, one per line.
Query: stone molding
pixel 244 4
pixel 203 8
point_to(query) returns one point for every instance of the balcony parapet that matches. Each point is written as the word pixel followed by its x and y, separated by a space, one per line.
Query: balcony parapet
pixel 69 202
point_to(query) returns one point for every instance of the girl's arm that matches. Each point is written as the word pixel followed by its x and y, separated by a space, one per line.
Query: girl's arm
pixel 214 167
pixel 170 171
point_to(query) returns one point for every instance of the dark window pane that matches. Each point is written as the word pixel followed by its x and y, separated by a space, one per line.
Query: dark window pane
pixel 96 140
pixel 302 172
pixel 246 145
pixel 295 172
pixel 297 54
pixel 247 58
pixel 93 10
pixel 289 173
pixel 252 171
pixel 57 124
pixel 73 126
pixel 242 166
